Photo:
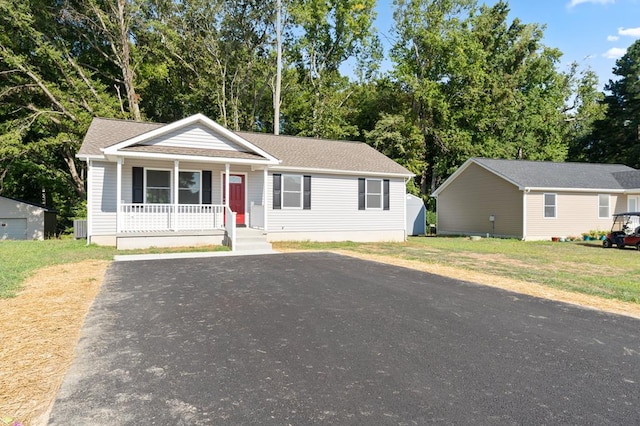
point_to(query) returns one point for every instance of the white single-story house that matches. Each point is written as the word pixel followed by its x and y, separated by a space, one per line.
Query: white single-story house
pixel 22 220
pixel 151 184
pixel 534 200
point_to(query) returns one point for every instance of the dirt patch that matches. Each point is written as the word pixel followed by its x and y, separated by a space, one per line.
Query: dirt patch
pixel 40 329
pixel 531 289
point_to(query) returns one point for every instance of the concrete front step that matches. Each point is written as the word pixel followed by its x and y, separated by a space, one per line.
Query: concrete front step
pixel 248 239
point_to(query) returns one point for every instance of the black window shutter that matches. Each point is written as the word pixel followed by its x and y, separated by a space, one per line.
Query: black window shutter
pixel 385 194
pixel 206 187
pixel 361 193
pixel 306 198
pixel 137 194
pixel 277 202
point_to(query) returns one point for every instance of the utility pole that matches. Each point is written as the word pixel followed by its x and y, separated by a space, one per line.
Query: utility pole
pixel 276 96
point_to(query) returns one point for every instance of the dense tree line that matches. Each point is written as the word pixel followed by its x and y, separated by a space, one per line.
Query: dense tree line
pixel 465 81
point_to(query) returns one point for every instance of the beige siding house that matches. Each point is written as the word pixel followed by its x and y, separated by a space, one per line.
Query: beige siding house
pixel 534 200
pixel 21 220
pixel 153 184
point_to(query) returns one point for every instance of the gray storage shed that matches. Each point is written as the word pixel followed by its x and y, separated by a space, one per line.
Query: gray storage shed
pixel 416 216
pixel 21 220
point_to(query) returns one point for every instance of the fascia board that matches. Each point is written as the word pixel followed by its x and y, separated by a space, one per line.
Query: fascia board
pixel 338 172
pixel 191 158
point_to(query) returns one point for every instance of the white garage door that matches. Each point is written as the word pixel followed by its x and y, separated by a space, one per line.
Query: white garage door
pixel 13 229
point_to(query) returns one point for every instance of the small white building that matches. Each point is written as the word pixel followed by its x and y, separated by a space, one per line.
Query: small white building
pixel 165 184
pixel 20 220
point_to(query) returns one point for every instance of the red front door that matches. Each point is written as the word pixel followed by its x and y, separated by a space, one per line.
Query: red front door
pixel 236 198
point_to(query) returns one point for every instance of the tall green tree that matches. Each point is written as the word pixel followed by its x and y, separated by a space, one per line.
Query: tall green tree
pixel 616 137
pixel 47 98
pixel 326 34
pixel 480 85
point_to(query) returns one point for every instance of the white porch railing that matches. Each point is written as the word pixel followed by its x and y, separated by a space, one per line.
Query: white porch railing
pixel 257 216
pixel 230 227
pixel 169 217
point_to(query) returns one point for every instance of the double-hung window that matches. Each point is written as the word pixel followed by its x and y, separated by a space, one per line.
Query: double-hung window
pixel 158 186
pixel 189 187
pixel 373 194
pixel 291 192
pixel 603 206
pixel 550 206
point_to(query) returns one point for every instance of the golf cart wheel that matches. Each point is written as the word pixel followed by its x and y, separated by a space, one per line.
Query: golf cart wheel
pixel 606 243
pixel 621 246
pixel 638 246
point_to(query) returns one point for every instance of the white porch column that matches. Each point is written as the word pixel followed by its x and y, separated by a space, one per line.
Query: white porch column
pixel 119 195
pixel 265 176
pixel 226 185
pixel 176 193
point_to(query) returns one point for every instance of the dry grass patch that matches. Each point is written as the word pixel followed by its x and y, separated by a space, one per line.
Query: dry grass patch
pixel 40 329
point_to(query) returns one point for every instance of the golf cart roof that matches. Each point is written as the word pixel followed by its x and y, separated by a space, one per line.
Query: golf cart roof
pixel 627 214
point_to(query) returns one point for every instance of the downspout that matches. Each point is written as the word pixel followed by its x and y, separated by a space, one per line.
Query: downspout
pixel 524 213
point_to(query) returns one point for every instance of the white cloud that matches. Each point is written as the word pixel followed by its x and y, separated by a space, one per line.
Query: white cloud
pixel 574 3
pixel 614 53
pixel 631 32
pixel 612 38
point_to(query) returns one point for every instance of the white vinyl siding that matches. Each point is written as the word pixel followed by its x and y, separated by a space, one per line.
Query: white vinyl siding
pixel 603 206
pixel 195 136
pixel 550 206
pixel 103 198
pixel 335 208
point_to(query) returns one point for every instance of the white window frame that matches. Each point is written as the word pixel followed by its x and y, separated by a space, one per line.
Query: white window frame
pixel 367 193
pixel 147 187
pixel 184 189
pixel 545 205
pixel 282 192
pixel 601 206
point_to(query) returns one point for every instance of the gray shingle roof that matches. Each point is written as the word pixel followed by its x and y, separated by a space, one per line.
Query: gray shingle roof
pixel 544 174
pixel 104 132
pixel 325 154
pixel 294 152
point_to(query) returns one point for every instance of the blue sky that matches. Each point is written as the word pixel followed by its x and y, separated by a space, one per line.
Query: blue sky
pixel 593 33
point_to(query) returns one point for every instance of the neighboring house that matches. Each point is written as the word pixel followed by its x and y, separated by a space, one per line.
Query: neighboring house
pixel 21 220
pixel 164 184
pixel 534 200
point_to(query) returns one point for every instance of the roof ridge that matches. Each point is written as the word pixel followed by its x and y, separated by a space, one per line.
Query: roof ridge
pixel 128 121
pixel 552 162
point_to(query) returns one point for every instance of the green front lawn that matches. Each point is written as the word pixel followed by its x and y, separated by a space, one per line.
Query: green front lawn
pixel 583 267
pixel 19 259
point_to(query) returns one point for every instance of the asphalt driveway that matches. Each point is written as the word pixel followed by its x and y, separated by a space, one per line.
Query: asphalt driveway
pixel 308 338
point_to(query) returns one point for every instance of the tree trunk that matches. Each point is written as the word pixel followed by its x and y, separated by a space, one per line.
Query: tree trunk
pixel 125 64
